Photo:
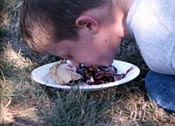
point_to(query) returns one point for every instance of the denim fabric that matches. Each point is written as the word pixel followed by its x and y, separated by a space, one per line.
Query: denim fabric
pixel 161 89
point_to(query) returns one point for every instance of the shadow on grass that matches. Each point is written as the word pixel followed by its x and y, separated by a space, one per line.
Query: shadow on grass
pixel 29 122
pixel 22 121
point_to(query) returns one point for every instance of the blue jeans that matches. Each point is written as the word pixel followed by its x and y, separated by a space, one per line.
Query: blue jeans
pixel 161 89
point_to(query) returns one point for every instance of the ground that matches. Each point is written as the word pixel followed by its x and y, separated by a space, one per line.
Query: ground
pixel 24 102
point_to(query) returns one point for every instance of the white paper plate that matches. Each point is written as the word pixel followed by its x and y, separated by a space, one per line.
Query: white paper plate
pixel 41 75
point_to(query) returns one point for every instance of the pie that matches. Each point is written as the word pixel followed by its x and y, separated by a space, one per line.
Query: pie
pixel 65 73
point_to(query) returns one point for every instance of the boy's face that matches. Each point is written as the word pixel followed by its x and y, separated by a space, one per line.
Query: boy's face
pixel 86 51
pixel 98 39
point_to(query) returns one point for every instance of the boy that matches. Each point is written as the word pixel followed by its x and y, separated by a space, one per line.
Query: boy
pixel 90 31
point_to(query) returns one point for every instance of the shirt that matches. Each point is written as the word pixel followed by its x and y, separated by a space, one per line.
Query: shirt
pixel 152 23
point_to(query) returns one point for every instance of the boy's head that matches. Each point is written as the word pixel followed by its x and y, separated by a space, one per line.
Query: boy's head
pixel 86 31
pixel 46 21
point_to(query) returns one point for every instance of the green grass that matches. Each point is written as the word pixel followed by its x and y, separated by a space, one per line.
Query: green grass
pixel 74 108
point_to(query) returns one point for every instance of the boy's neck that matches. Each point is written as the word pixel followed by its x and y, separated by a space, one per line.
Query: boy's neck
pixel 122 9
pixel 125 5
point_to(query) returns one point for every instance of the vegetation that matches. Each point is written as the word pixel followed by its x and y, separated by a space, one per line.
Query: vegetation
pixel 24 102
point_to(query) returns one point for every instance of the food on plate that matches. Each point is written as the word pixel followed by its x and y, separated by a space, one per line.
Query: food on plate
pixel 97 74
pixel 64 72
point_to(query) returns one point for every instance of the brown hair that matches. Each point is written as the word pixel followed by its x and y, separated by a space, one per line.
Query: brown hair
pixel 45 21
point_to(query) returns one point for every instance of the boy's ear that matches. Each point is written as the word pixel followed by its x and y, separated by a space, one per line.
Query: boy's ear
pixel 87 22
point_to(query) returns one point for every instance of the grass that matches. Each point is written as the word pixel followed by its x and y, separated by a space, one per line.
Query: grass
pixel 27 103
pixel 78 111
